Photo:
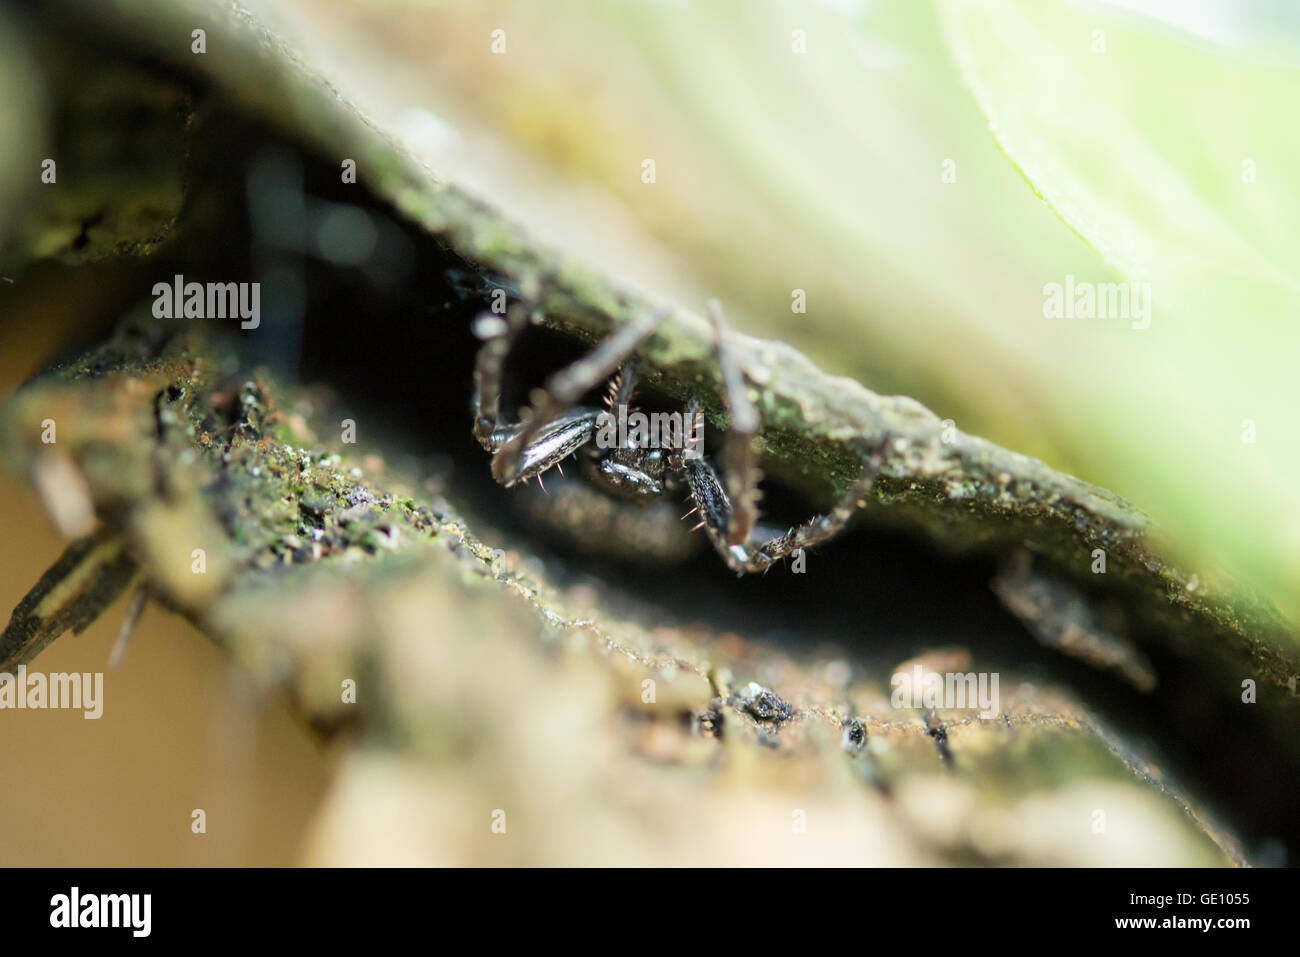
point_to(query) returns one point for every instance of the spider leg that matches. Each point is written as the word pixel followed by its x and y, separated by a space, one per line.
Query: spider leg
pixel 715 510
pixel 711 502
pixel 741 470
pixel 498 335
pixel 550 446
pixel 621 387
pixel 818 528
pixel 715 516
pixel 563 390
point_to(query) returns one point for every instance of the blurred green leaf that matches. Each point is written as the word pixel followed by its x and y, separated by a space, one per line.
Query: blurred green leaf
pixel 1187 186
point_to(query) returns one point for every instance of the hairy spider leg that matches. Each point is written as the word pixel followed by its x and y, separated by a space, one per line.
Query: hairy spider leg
pixel 716 515
pixel 622 387
pixel 741 457
pixel 498 336
pixel 712 502
pixel 561 436
pixel 817 529
pixel 563 390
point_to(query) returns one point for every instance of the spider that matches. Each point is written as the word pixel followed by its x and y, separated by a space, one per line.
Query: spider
pixel 558 426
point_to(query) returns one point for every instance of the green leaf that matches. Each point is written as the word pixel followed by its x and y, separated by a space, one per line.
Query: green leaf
pixel 1173 159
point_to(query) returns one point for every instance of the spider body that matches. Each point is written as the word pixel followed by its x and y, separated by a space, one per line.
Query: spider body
pixel 634 474
pixel 632 469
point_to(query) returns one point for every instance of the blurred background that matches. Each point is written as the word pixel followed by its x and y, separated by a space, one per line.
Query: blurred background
pixel 917 171
pixel 180 730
